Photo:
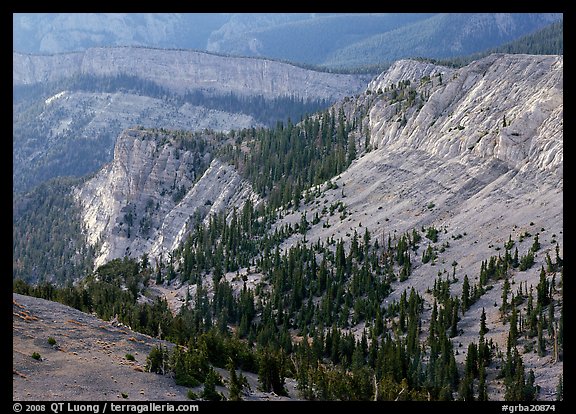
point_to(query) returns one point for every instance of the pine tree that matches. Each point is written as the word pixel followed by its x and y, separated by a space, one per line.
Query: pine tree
pixel 455 318
pixel 471 365
pixel 482 389
pixel 505 292
pixel 270 372
pixel 541 343
pixel 235 387
pixel 536 244
pixel 530 390
pixel 465 301
pixel 159 274
pixel 483 328
pixel 515 261
pixel 157 360
pixel 513 333
pixel 542 290
pixel 209 392
pixel 465 390
pixel 351 149
pixel 559 260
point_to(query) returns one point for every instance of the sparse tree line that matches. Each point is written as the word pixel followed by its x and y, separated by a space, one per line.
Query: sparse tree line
pixel 318 315
pixel 282 162
pixel 299 320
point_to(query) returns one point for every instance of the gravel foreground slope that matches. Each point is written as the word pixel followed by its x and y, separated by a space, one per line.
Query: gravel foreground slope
pixel 88 360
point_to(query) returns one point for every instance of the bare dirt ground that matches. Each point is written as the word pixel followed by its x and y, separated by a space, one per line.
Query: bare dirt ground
pixel 88 360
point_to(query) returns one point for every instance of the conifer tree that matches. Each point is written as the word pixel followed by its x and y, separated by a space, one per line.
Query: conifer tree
pixel 542 290
pixel 483 328
pixel 536 244
pixel 235 387
pixel 541 344
pixel 465 389
pixel 513 332
pixel 505 292
pixel 465 301
pixel 482 389
pixel 209 392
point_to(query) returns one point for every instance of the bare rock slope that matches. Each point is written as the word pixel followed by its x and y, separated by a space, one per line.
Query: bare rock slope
pixel 481 160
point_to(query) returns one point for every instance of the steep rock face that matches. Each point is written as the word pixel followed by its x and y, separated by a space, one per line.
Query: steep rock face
pixel 478 184
pixel 147 198
pixel 74 131
pixel 407 70
pixel 113 112
pixel 507 107
pixel 451 162
pixel 182 70
pixel 29 69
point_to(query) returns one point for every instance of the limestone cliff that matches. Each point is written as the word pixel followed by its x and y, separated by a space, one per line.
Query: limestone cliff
pixel 186 70
pixel 152 192
pixel 477 153
pixel 506 107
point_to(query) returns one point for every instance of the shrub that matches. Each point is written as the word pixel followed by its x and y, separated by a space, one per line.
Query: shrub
pixel 36 356
pixel 51 341
pixel 130 357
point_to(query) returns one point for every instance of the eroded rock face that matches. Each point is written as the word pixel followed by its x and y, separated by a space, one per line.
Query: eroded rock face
pixel 79 130
pixel 185 70
pixel 73 131
pixel 451 164
pixel 152 193
pixel 509 107
pixel 407 70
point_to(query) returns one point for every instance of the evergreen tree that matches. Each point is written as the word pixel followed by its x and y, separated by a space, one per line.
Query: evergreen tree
pixel 536 244
pixel 505 292
pixel 530 390
pixel 465 301
pixel 351 149
pixel 157 360
pixel 465 389
pixel 471 365
pixel 209 392
pixel 542 290
pixel 270 371
pixel 482 389
pixel 513 332
pixel 483 328
pixel 235 387
pixel 541 343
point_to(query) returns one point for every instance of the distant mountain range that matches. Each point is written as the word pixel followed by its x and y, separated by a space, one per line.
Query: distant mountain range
pixel 335 41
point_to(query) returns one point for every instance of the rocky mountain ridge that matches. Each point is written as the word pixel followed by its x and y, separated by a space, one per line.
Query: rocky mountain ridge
pixel 335 40
pixel 452 148
pixel 504 106
pixel 185 70
pixel 69 108
pixel 480 158
pixel 474 153
pixel 152 193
